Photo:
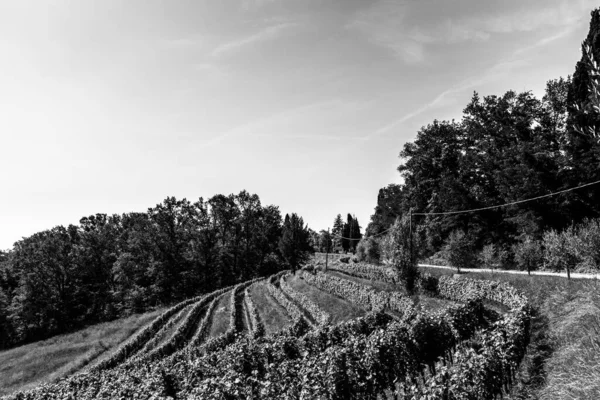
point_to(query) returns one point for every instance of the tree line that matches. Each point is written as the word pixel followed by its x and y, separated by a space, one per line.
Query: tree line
pixel 344 237
pixel 110 266
pixel 504 148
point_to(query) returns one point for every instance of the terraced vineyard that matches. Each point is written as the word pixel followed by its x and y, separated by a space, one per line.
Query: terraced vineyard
pixel 350 332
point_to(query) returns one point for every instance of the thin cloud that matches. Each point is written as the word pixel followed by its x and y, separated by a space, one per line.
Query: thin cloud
pixel 384 25
pixel 258 127
pixel 303 137
pixel 494 73
pixel 265 34
pixel 535 17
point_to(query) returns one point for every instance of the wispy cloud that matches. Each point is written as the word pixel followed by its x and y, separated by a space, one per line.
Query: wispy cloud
pixel 491 74
pixel 303 136
pixel 268 33
pixel 527 18
pixel 384 25
pixel 263 127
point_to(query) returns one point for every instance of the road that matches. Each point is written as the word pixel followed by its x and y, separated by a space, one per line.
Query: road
pixel 574 275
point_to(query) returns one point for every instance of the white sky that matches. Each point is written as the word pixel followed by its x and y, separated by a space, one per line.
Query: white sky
pixel 110 106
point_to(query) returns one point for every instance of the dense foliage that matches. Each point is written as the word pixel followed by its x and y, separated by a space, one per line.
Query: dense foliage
pixel 504 148
pixel 294 243
pixel 110 266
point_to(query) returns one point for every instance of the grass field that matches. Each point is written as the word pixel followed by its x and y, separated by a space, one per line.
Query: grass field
pixel 30 365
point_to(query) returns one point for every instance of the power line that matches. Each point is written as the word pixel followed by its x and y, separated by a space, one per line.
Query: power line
pixel 479 209
pixel 343 237
pixel 507 204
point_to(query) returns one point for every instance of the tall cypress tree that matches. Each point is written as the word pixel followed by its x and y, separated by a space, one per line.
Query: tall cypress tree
pixel 337 232
pixel 355 234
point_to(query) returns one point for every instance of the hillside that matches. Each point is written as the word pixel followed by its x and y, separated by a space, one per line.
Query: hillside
pixel 347 332
pixel 27 366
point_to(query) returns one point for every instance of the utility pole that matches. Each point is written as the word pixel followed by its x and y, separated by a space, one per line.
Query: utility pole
pixel 327 251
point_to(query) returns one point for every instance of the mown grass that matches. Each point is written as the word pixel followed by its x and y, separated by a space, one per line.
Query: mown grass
pixel 27 366
pixel 339 309
pixel 563 358
pixel 273 315
pixel 220 318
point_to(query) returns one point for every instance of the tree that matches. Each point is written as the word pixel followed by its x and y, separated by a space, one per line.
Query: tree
pixel 583 126
pixel 389 206
pixel 294 244
pixel 355 234
pixel 325 241
pixel 337 232
pixel 399 248
pixel 368 250
pixel 459 250
pixel 528 254
pixel 584 96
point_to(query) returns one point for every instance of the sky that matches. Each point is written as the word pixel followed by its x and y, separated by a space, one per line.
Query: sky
pixel 111 106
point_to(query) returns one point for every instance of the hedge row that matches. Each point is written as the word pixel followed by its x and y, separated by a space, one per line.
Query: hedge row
pixel 364 296
pixel 202 331
pixel 292 309
pixel 132 345
pixel 352 360
pixel 151 344
pixel 368 271
pixel 181 336
pixel 322 317
pixel 488 371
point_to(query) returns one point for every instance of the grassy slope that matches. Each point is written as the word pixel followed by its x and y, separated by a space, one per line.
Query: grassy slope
pixel 563 360
pixel 30 365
